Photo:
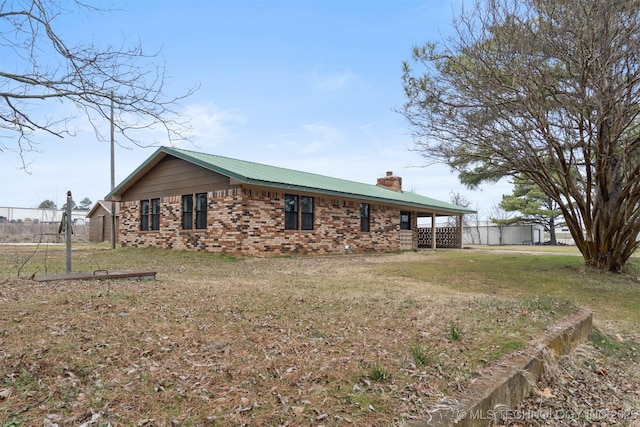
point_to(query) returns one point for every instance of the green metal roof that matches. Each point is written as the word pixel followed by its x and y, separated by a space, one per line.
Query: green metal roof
pixel 289 179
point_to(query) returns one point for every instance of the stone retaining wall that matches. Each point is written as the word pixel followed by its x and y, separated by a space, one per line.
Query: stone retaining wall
pixel 513 378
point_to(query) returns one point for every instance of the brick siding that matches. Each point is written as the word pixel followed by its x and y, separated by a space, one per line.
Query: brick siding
pixel 251 222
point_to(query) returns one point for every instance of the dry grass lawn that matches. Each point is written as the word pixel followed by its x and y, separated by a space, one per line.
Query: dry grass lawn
pixel 215 340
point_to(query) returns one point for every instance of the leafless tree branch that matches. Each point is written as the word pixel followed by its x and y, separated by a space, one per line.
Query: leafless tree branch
pixel 52 75
pixel 545 89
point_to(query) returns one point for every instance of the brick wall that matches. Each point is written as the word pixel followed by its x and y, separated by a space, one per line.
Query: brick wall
pixel 251 222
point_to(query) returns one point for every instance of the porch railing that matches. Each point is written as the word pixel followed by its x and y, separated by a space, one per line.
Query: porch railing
pixel 446 237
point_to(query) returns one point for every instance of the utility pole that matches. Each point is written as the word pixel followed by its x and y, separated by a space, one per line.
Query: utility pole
pixel 113 180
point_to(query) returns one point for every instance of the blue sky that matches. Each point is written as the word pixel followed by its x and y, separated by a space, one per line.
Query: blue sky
pixel 308 85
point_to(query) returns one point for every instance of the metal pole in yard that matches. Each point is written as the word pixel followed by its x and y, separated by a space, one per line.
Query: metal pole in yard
pixel 113 180
pixel 68 230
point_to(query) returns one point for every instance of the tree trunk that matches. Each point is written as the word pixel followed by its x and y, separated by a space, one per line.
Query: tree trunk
pixel 552 231
pixel 608 247
pixel 605 261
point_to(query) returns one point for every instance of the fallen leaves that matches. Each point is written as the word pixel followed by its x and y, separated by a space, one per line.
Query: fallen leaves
pixel 590 390
pixel 5 393
pixel 546 393
pixel 260 342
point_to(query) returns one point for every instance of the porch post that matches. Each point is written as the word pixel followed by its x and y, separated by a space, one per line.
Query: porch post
pixel 433 231
pixel 461 231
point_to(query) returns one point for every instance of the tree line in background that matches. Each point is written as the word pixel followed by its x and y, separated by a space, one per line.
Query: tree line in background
pixel 84 205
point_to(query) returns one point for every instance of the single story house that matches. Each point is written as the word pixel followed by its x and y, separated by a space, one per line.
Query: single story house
pixel 182 199
pixel 100 221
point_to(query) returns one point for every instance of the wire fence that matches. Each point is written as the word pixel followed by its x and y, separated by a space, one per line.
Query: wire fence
pixel 32 232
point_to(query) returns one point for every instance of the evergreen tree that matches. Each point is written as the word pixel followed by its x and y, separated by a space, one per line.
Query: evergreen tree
pixel 47 204
pixel 85 204
pixel 535 206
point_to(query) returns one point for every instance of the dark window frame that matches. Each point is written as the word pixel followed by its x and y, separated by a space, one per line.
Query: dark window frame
pixel 201 203
pixel 187 212
pixel 405 224
pixel 144 215
pixel 365 217
pixel 299 212
pixel 155 214
pixel 306 213
pixel 150 214
pixel 291 207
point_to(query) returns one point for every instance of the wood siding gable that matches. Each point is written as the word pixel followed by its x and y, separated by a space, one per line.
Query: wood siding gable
pixel 174 177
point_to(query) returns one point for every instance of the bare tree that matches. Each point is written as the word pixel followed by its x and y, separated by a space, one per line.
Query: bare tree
pixel 548 90
pixel 470 222
pixel 502 219
pixel 459 200
pixel 475 219
pixel 50 75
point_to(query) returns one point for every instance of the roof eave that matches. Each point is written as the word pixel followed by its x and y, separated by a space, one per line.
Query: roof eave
pixel 160 153
pixel 435 209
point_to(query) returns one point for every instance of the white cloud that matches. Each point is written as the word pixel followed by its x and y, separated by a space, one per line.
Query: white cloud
pixel 332 81
pixel 309 139
pixel 318 136
pixel 211 125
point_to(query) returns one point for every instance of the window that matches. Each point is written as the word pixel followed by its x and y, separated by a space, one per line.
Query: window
pixel 187 212
pixel 405 220
pixel 290 212
pixel 306 209
pixel 364 216
pixel 292 208
pixel 144 215
pixel 201 210
pixel 155 214
pixel 150 214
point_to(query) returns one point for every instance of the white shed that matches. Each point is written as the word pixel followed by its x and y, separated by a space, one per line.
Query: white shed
pixel 487 233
